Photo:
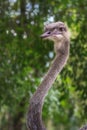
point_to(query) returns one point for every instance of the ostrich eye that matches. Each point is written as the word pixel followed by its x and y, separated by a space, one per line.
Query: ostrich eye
pixel 62 29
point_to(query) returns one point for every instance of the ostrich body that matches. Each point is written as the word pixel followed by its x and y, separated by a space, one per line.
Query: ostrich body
pixel 59 34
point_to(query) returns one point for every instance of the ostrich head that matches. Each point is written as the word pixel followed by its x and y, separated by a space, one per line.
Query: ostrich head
pixel 56 32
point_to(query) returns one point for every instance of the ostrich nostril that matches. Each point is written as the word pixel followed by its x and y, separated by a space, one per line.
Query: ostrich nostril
pixel 49 32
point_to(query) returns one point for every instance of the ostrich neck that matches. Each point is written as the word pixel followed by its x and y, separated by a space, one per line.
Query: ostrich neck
pixel 34 120
pixel 57 65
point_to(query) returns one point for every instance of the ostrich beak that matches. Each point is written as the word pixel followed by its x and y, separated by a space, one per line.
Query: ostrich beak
pixel 49 34
pixel 46 34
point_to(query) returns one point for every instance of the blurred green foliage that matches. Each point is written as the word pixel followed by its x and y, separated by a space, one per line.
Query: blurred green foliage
pixel 25 58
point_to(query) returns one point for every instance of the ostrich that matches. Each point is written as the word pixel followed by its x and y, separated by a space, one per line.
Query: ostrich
pixel 59 34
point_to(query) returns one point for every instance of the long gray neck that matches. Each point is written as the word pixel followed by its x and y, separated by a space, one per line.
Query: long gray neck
pixel 34 119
